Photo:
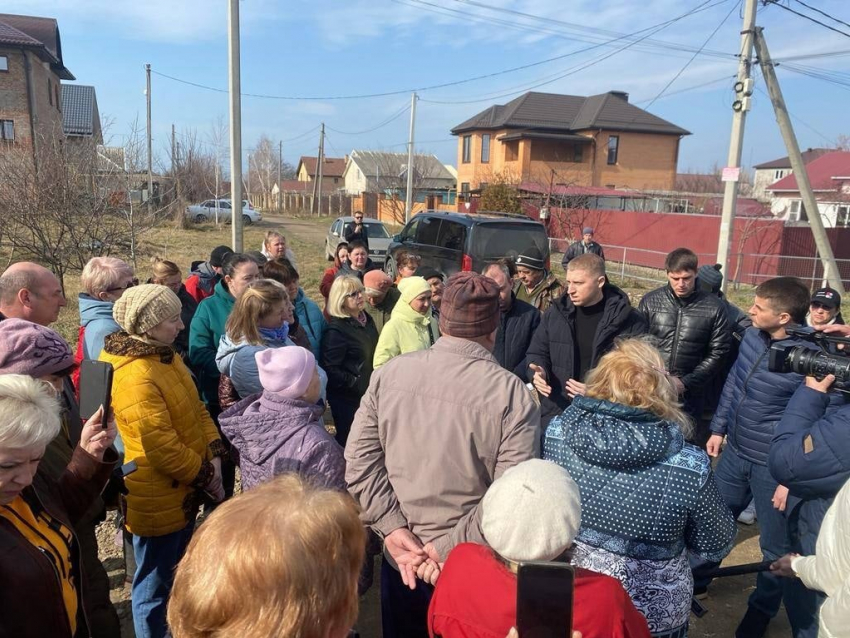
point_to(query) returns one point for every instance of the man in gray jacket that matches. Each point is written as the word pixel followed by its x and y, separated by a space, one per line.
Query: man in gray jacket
pixel 434 430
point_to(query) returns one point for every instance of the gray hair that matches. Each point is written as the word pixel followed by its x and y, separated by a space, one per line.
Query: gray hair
pixel 13 282
pixel 30 412
pixel 502 267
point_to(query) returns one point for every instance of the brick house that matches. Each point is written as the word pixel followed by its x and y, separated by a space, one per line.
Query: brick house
pixel 601 140
pixel 332 170
pixel 31 69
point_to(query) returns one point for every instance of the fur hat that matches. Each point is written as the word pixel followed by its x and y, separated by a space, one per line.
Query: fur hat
pixel 142 307
pixel 531 512
pixel 470 306
pixel 33 350
pixel 286 371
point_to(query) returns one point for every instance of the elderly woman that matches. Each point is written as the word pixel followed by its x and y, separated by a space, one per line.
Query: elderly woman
pixel 530 513
pixel 648 498
pixel 168 432
pixel 347 352
pixel 381 297
pixel 274 247
pixel 825 308
pixel 411 326
pixel 167 273
pixel 340 258
pixel 286 555
pixel 45 580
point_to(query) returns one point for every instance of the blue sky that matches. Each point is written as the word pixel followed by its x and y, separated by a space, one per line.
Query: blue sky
pixel 352 47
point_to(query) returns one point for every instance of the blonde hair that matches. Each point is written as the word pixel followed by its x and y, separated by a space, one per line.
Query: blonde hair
pixel 633 374
pixel 258 300
pixel 101 274
pixel 30 412
pixel 273 234
pixel 281 559
pixel 163 269
pixel 342 287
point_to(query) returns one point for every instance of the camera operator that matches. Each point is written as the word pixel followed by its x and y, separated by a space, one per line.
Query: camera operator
pixel 810 454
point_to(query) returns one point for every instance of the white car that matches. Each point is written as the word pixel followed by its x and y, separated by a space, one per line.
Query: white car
pixel 206 211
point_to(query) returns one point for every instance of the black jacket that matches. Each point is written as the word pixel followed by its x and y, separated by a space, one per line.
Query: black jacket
pixel 578 248
pixel 513 337
pixel 691 333
pixel 553 345
pixel 348 349
pixel 351 235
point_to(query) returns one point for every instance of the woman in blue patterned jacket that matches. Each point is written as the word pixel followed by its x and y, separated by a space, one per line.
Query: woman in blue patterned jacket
pixel 648 498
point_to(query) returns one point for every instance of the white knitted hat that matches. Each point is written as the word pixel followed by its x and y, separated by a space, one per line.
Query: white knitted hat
pixel 531 512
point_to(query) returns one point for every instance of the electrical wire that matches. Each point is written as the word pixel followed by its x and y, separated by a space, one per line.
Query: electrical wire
pixel 809 18
pixel 724 78
pixel 824 13
pixel 389 120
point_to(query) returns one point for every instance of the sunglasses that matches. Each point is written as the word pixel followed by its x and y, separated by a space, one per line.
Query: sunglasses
pixel 133 282
pixel 355 294
pixel 820 306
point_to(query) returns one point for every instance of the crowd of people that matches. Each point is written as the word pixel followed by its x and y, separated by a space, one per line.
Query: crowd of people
pixel 457 427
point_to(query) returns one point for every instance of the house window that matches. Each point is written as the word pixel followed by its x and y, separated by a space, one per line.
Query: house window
pixel 485 148
pixel 577 153
pixel 4 63
pixel 843 220
pixel 464 190
pixel 467 149
pixel 56 94
pixel 778 174
pixel 50 91
pixel 336 180
pixel 613 148
pixel 7 130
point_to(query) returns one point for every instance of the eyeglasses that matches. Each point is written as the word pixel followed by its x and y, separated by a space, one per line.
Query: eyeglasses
pixel 355 294
pixel 819 306
pixel 130 284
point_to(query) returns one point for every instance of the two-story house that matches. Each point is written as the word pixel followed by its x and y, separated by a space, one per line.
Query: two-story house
pixel 829 176
pixel 545 138
pixel 768 173
pixel 31 68
pixel 332 170
pixel 379 172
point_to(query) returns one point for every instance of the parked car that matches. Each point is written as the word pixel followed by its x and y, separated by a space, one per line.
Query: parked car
pixel 452 242
pixel 206 211
pixel 379 238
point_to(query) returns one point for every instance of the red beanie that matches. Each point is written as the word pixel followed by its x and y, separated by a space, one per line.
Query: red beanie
pixel 470 306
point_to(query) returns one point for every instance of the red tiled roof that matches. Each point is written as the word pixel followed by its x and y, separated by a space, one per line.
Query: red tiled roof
pixel 331 167
pixel 822 173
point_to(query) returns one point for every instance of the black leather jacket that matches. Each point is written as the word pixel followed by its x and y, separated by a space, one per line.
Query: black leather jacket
pixel 692 333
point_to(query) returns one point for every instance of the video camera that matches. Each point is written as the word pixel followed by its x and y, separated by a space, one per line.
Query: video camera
pixel 829 359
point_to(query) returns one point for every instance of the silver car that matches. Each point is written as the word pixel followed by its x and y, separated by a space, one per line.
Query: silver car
pixel 206 211
pixel 379 238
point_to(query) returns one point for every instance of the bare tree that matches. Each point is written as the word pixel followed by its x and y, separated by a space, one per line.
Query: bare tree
pixel 390 179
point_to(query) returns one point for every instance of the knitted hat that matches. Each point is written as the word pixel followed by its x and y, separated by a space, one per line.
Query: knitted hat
pixel 426 272
pixel 142 307
pixel 218 255
pixel 531 512
pixel 828 297
pixel 376 282
pixel 587 230
pixel 286 371
pixel 412 287
pixel 30 349
pixel 470 306
pixel 531 258
pixel 710 277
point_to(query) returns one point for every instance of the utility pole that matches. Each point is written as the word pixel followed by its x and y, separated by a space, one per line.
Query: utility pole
pixel 150 144
pixel 320 170
pixel 235 124
pixel 316 174
pixel 739 118
pixel 279 167
pixel 408 196
pixel 830 268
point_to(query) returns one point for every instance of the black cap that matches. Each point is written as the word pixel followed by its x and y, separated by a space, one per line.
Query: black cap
pixel 219 254
pixel 531 258
pixel 426 272
pixel 827 297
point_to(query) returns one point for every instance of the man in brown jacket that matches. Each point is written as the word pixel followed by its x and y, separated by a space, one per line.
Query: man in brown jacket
pixel 434 430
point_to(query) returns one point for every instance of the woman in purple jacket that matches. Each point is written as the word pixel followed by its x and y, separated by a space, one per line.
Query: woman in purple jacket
pixel 281 430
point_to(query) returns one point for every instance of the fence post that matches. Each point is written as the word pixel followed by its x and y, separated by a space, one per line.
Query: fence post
pixel 623 268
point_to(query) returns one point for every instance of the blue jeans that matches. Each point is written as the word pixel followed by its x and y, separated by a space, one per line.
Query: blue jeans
pixel 156 559
pixel 740 480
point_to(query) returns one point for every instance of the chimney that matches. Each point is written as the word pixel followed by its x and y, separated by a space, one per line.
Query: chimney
pixel 620 94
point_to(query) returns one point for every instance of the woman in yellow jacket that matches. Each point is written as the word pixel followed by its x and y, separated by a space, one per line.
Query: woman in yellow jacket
pixel 170 436
pixel 411 326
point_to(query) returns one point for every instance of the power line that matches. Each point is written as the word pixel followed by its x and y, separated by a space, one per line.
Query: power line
pixel 724 78
pixel 801 121
pixel 824 13
pixel 809 18
pixel 389 120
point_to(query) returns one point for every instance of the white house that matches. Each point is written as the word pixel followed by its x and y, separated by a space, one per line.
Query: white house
pixel 829 176
pixel 771 172
pixel 376 171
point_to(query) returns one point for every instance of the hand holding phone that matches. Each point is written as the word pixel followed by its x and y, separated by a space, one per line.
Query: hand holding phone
pixel 545 600
pixel 98 434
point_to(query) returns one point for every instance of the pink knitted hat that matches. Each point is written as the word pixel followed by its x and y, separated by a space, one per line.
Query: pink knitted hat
pixel 286 371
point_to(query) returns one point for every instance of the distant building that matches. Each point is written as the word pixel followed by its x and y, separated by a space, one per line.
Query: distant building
pixel 829 175
pixel 597 141
pixel 332 170
pixel 379 172
pixel 80 116
pixel 768 173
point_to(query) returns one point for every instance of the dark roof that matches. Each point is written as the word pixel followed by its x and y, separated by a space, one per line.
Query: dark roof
pixel 79 109
pixel 331 166
pixel 783 162
pixel 566 113
pixel 41 34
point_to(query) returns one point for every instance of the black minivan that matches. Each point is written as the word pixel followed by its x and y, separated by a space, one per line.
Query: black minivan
pixel 452 242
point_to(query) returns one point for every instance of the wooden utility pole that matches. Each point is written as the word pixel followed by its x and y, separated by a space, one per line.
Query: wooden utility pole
pixel 739 118
pixel 235 87
pixel 320 171
pixel 149 135
pixel 810 202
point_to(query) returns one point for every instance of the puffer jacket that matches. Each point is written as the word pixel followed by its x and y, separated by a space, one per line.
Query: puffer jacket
pixel 166 430
pixel 829 569
pixel 553 346
pixel 692 333
pixel 97 322
pixel 201 280
pixel 543 295
pixel 406 331
pixel 204 336
pixel 310 318
pixel 274 435
pixel 514 334
pixel 347 271
pixel 753 398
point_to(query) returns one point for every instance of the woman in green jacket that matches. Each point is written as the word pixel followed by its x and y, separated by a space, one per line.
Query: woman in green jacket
pixel 411 326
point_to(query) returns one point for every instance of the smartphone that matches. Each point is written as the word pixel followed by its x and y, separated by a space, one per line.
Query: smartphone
pixel 95 389
pixel 128 468
pixel 544 606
